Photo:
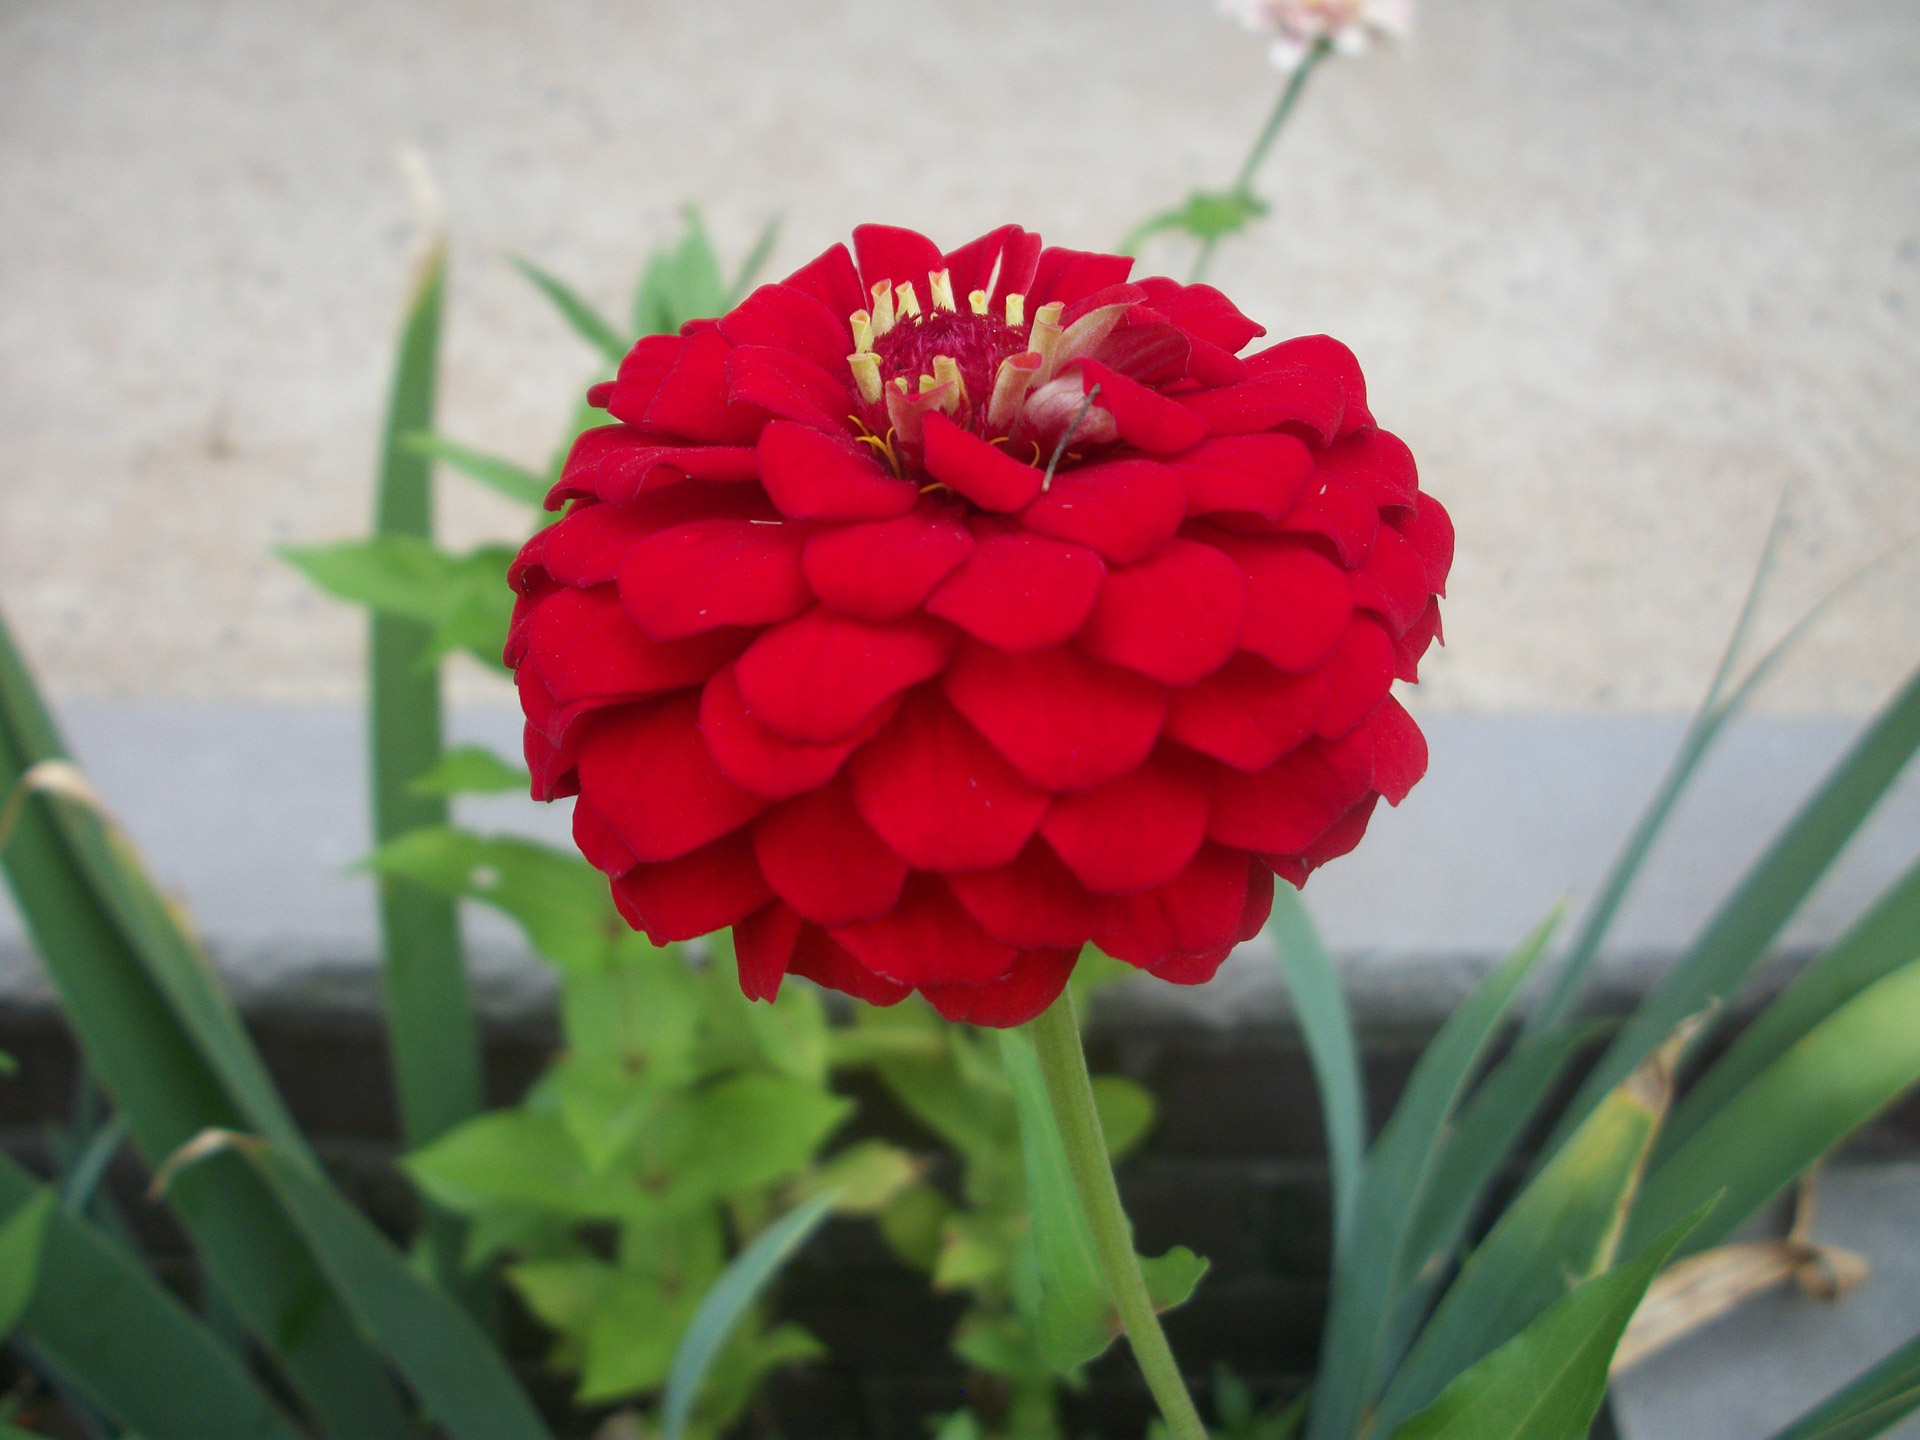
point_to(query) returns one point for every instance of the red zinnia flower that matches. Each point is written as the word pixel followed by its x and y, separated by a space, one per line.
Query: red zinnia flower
pixel 930 615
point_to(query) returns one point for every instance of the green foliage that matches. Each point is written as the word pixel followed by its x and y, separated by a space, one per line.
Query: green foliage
pixel 22 1237
pixel 1872 1403
pixel 462 600
pixel 1207 215
pixel 471 770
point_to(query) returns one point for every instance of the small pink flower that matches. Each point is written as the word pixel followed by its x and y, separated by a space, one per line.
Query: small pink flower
pixel 1296 25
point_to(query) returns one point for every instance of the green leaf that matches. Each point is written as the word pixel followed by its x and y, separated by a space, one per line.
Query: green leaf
pixel 1171 1277
pixel 914 1222
pixel 563 1294
pixel 743 1132
pixel 1748 920
pixel 440 603
pixel 584 319
pixel 1878 943
pixel 518 1157
pixel 1126 1113
pixel 1548 1381
pixel 732 1295
pixel 1559 1231
pixel 1368 1269
pixel 450 1364
pixel 516 482
pixel 1871 1404
pixel 680 284
pixel 21 1239
pixel 866 1176
pixel 1827 1084
pixel 1205 215
pixel 1325 1024
pixel 471 770
pixel 631 1335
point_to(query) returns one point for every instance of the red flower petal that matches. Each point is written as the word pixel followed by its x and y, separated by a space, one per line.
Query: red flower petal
pixel 554 767
pixel 1064 722
pixel 1393 582
pixel 1341 512
pixel 1174 617
pixel 1336 840
pixel 758 759
pixel 1131 833
pixel 832 280
pixel 1185 968
pixel 885 568
pixel 1361 673
pixel 788 318
pixel 1331 358
pixel 1199 910
pixel 1284 809
pixel 584 648
pixel 1399 751
pixel 1408 649
pixel 926 939
pixel 1034 983
pixel 617 463
pixel 1021 591
pixel 1247 713
pixel 1294 395
pixel 1070 275
pixel 1000 262
pixel 692 400
pixel 1146 418
pixel 790 386
pixel 1259 901
pixel 588 546
pixel 1258 474
pixel 814 475
pixel 819 677
pixel 1203 311
pixel 1298 602
pixel 1122 508
pixel 820 857
pixel 939 795
pixel 1379 463
pixel 983 473
pixel 888 252
pixel 693 578
pixel 1033 903
pixel 822 959
pixel 647 774
pixel 708 890
pixel 639 378
pixel 762 946
pixel 1429 530
pixel 603 849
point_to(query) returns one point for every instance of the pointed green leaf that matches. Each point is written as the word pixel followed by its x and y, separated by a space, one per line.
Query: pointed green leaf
pixel 21 1238
pixel 1126 1113
pixel 584 319
pixel 471 770
pixel 450 602
pixel 516 482
pixel 1871 1404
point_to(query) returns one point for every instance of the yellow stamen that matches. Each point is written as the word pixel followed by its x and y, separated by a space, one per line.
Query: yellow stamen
pixel 866 374
pixel 905 302
pixel 900 383
pixel 927 382
pixel 882 307
pixel 940 286
pixel 862 324
pixel 977 301
pixel 1016 310
pixel 946 371
pixel 1045 336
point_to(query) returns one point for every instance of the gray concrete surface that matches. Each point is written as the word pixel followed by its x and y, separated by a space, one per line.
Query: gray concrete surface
pixel 1621 271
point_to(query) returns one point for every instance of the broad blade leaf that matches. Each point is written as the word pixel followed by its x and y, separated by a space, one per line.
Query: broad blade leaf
pixel 584 319
pixel 21 1238
pixel 1871 1404
pixel 516 482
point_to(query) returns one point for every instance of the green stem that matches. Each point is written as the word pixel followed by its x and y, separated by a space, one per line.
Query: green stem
pixel 1282 108
pixel 1056 1036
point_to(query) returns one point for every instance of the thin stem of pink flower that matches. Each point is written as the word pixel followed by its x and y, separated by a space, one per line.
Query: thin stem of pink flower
pixel 1056 1036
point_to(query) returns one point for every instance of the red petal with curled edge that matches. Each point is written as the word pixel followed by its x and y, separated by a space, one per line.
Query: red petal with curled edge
pixel 1284 809
pixel 582 646
pixel 640 376
pixel 1262 475
pixel 1132 833
pixel 820 857
pixel 982 264
pixel 590 544
pixel 1410 648
pixel 604 850
pixel 618 465
pixel 710 889
pixel 554 767
pixel 888 252
pixel 1122 508
pixel 1118 296
pixel 1336 840
pixel 689 579
pixel 940 796
pixel 820 677
pixel 1147 347
pixel 1202 311
pixel 528 574
pixel 820 958
pixel 1063 721
pixel 762 946
pixel 1429 530
pixel 1293 395
pixel 1399 751
pixel 1021 591
pixel 787 318
pixel 1174 617
pixel 1034 983
pixel 1379 463
pixel 1298 602
pixel 926 939
pixel 1146 418
pixel 758 759
pixel 1191 969
pixel 1070 275
pixel 1200 909
pixel 831 279
pixel 1329 356
pixel 1247 713
pixel 653 782
pixel 1342 513
pixel 1033 903
pixel 884 569
pixel 1361 674
pixel 1393 582
pixel 983 473
pixel 790 386
pixel 813 475
pixel 693 401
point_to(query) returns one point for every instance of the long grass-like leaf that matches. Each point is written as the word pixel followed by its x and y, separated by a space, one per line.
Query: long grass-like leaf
pixel 1398 1172
pixel 1871 1404
pixel 731 1297
pixel 1327 1027
pixel 585 320
pixel 516 482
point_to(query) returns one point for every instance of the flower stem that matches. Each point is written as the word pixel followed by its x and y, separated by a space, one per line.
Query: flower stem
pixel 1282 108
pixel 1056 1036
